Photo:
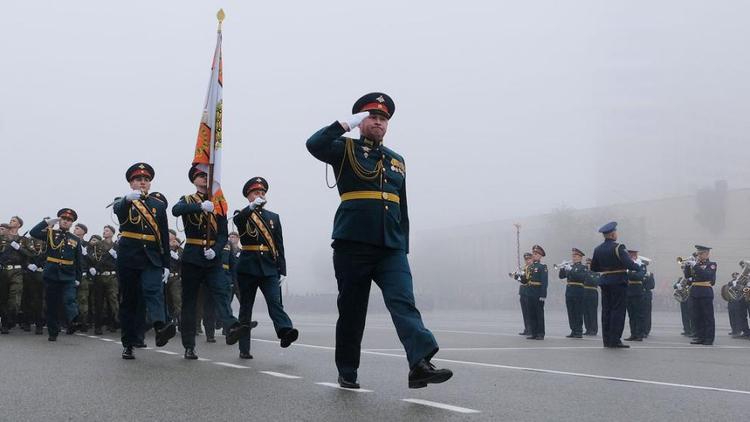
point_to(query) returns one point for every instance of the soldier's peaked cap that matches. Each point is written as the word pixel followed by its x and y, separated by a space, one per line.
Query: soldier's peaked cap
pixel 256 183
pixel 608 228
pixel 140 169
pixel 375 102
pixel 68 213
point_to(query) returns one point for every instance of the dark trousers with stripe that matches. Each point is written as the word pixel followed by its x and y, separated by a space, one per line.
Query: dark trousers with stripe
pixel 705 326
pixel 591 311
pixel 536 315
pixel 574 305
pixel 614 297
pixel 686 312
pixel 634 307
pixel 141 300
pixel 216 286
pixel 648 304
pixel 525 313
pixel 60 295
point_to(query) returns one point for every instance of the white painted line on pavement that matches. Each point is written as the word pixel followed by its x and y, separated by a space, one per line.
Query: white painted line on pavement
pixel 280 375
pixel 204 360
pixel 441 406
pixel 482 349
pixel 89 336
pixel 231 365
pixel 166 352
pixel 105 339
pixel 334 385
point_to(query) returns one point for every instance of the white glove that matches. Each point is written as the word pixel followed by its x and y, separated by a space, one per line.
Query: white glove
pixel 52 221
pixel 542 299
pixel 15 245
pixel 113 252
pixel 84 252
pixel 207 206
pixel 165 276
pixel 78 283
pixel 174 255
pixel 258 202
pixel 282 278
pixel 133 195
pixel 356 119
pixel 238 255
pixel 32 267
pixel 209 254
pixel 92 271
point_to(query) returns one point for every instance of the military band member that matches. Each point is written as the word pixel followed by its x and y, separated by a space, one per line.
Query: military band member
pixel 205 237
pixel 649 284
pixel 702 277
pixel 612 261
pixel 634 300
pixel 523 279
pixel 261 264
pixel 371 239
pixel 63 270
pixel 103 270
pixel 591 301
pixel 536 293
pixel 142 259
pixel 84 289
pixel 575 273
pixel 33 283
pixel 174 284
pixel 12 264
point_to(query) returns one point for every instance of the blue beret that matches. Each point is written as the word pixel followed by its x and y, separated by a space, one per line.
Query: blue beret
pixel 608 228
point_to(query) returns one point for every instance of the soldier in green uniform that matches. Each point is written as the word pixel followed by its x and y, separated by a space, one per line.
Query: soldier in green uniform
pixel 84 289
pixel 591 301
pixel 575 273
pixel 634 301
pixel 12 264
pixel 371 239
pixel 174 285
pixel 62 271
pixel 536 293
pixel 33 282
pixel 103 269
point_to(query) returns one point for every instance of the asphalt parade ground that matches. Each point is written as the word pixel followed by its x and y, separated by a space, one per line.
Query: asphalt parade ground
pixel 498 375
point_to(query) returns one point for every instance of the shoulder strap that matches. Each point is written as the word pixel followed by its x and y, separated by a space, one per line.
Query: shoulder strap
pixel 150 220
pixel 260 223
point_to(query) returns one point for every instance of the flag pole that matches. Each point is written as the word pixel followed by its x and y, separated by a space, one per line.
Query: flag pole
pixel 220 15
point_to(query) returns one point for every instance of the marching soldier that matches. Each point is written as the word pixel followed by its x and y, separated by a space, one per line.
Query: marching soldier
pixel 575 274
pixel 83 291
pixel 371 239
pixel 523 279
pixel 33 282
pixel 262 263
pixel 590 301
pixel 205 237
pixel 142 259
pixel 63 270
pixel 174 285
pixel 634 300
pixel 612 261
pixel 104 272
pixel 702 277
pixel 649 284
pixel 536 292
pixel 12 263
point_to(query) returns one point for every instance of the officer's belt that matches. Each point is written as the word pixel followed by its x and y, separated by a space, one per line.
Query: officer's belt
pixel 370 194
pixel 199 242
pixel 534 283
pixel 11 267
pixel 574 283
pixel 613 272
pixel 59 261
pixel 634 282
pixel 139 236
pixel 256 248
pixel 590 287
pixel 701 283
pixel 225 266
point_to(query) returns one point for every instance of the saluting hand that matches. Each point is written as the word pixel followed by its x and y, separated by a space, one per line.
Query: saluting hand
pixel 257 203
pixel 133 195
pixel 207 206
pixel 354 121
pixel 51 221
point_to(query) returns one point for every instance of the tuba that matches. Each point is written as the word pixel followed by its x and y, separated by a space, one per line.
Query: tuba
pixel 681 290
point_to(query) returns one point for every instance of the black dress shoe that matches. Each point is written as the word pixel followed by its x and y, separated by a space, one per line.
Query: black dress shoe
pixel 524 333
pixel 52 338
pixel 127 353
pixel 73 327
pixel 190 353
pixel 537 337
pixel 531 337
pixel 211 339
pixel 576 336
pixel 289 337
pixel 349 384
pixel 571 335
pixel 426 373
pixel 235 332
pixel 245 355
pixel 620 346
pixel 140 345
pixel 164 333
pixel 253 324
pixel 697 341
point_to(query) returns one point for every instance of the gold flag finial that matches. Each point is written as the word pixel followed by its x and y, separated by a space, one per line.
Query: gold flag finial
pixel 220 15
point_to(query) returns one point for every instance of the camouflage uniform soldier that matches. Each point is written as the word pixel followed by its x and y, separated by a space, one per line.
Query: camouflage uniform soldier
pixel 103 269
pixel 82 294
pixel 12 262
pixel 33 283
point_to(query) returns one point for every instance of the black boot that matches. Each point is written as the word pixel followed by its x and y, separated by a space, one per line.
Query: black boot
pixel 344 383
pixel 210 339
pixel 190 353
pixel 127 353
pixel 245 355
pixel 426 373
pixel 289 336
pixel 164 332
pixel 236 331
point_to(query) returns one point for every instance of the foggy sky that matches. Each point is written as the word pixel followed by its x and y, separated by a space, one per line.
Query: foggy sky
pixel 503 108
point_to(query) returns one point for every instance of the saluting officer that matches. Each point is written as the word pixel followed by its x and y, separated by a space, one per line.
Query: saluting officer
pixel 63 270
pixel 536 291
pixel 142 259
pixel 575 274
pixel 590 301
pixel 634 301
pixel 702 277
pixel 371 239
pixel 612 261
pixel 205 237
